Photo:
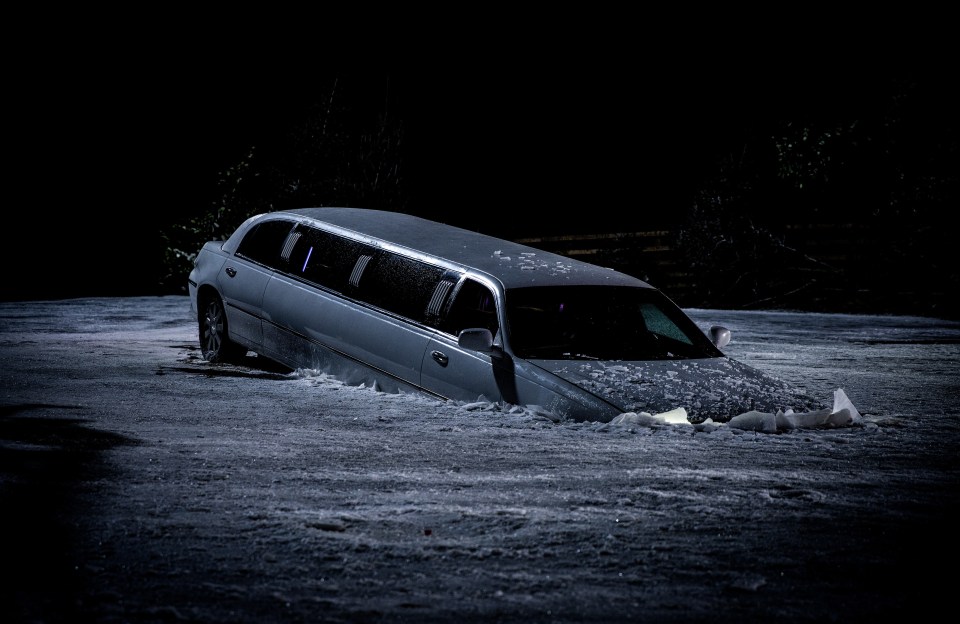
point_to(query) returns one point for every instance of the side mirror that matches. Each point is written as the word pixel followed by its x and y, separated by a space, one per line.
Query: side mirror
pixel 719 336
pixel 476 339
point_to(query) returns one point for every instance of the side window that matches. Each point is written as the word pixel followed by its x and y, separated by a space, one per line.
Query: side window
pixel 660 323
pixel 324 258
pixel 473 306
pixel 265 242
pixel 398 284
pixel 438 300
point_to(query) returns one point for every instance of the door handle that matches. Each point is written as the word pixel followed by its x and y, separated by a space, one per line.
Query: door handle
pixel 232 272
pixel 440 357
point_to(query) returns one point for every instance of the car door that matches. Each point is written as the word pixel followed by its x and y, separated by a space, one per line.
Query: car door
pixel 464 374
pixel 360 303
pixel 244 277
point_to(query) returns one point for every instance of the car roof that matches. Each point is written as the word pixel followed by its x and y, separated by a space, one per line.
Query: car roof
pixel 514 264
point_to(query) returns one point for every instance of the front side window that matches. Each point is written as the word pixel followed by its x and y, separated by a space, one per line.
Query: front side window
pixel 473 306
pixel 602 323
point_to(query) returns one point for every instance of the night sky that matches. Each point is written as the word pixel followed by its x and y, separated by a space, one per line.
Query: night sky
pixel 105 156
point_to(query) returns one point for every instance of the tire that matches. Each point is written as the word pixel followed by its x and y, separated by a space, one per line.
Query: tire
pixel 215 343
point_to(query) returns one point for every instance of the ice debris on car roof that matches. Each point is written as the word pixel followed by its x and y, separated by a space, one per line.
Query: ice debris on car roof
pixel 529 262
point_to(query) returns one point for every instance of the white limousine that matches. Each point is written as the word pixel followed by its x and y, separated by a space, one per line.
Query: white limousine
pixel 371 296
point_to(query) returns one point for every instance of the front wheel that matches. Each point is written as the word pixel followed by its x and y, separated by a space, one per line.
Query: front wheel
pixel 215 343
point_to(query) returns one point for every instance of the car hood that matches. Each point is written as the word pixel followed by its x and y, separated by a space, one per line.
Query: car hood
pixel 718 388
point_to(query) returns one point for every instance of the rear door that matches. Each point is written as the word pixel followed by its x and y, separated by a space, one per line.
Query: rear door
pixel 360 301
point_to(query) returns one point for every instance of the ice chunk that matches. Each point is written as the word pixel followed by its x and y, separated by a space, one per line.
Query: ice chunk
pixel 676 416
pixel 842 402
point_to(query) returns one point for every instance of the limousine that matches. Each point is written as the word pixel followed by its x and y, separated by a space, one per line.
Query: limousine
pixel 406 304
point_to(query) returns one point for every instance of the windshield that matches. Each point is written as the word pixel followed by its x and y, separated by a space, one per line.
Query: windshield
pixel 602 323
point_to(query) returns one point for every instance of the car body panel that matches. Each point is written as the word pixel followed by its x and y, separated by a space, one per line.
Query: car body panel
pixel 462 374
pixel 379 340
pixel 243 299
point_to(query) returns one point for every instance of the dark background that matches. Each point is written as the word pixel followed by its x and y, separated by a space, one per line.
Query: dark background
pixel 106 159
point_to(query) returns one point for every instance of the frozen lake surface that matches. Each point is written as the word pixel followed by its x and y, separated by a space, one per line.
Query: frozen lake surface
pixel 151 485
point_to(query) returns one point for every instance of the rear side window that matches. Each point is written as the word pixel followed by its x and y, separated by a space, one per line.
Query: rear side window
pixel 401 285
pixel 324 258
pixel 264 242
pixel 389 281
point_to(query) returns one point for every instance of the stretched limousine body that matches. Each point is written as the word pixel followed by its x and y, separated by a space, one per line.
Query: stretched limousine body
pixel 409 304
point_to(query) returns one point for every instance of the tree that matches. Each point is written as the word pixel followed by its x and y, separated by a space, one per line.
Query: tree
pixel 837 210
pixel 342 151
